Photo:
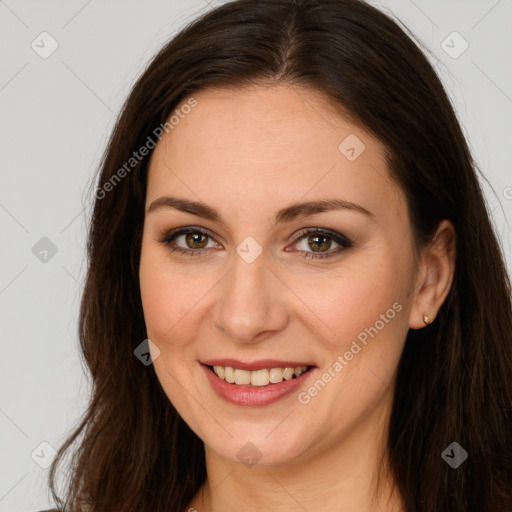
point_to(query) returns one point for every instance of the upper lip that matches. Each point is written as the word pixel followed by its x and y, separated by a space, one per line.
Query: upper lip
pixel 256 365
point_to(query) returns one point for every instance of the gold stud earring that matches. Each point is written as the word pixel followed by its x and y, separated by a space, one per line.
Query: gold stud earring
pixel 426 319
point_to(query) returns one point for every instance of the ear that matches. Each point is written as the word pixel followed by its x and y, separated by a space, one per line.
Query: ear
pixel 435 275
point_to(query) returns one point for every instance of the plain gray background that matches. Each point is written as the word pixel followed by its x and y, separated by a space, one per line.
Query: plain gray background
pixel 56 116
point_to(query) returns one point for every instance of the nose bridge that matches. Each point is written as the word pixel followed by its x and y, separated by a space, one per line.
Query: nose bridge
pixel 248 305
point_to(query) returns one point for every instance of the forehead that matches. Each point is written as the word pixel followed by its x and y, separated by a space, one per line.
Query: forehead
pixel 265 146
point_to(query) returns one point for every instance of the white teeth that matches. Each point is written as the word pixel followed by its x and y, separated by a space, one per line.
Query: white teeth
pixel 276 375
pixel 229 374
pixel 288 373
pixel 242 377
pixel 262 377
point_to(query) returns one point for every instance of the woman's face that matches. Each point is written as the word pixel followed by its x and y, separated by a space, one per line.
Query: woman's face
pixel 299 254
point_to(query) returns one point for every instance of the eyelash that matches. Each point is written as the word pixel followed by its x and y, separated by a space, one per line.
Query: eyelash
pixel 340 239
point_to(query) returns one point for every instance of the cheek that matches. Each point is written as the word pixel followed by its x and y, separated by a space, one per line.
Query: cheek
pixel 366 300
pixel 160 294
pixel 364 307
pixel 172 298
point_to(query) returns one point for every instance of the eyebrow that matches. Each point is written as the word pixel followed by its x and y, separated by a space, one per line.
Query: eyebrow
pixel 287 214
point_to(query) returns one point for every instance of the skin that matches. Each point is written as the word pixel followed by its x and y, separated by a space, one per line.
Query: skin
pixel 248 153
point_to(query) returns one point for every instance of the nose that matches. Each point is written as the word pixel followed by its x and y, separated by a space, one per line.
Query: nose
pixel 250 307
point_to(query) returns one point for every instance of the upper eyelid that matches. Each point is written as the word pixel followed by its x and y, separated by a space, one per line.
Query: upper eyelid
pixel 173 233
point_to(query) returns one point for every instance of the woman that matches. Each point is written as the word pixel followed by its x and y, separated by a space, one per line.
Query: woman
pixel 289 226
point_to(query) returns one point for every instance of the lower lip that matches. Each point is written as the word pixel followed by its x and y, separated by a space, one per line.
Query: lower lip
pixel 254 396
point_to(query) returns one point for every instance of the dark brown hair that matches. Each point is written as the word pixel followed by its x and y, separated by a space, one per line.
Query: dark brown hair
pixel 135 453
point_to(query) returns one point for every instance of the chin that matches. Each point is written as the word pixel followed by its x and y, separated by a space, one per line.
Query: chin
pixel 253 445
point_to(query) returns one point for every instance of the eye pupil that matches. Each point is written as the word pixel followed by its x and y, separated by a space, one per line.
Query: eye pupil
pixel 319 247
pixel 193 240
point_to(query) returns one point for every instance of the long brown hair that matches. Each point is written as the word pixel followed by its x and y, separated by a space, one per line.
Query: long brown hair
pixel 134 453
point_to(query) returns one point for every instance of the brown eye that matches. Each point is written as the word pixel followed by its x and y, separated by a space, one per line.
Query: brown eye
pixel 318 243
pixel 191 241
pixel 196 240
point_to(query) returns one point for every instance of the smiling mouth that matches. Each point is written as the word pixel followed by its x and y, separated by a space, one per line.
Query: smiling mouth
pixel 257 378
